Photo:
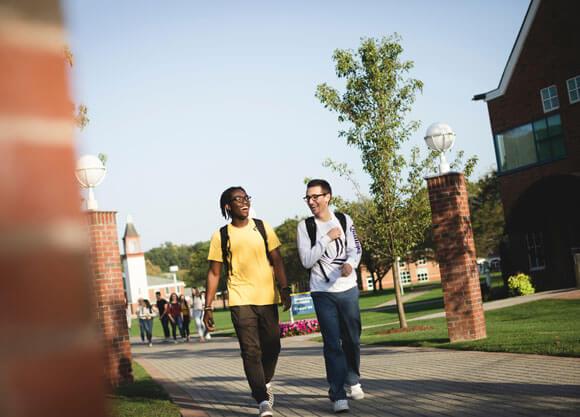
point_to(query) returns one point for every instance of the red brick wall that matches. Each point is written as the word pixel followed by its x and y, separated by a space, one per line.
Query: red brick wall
pixel 110 295
pixel 549 57
pixel 456 254
pixel 51 362
pixel 431 266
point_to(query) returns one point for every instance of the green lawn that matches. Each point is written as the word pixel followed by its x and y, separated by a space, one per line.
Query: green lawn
pixel 546 327
pixel 143 398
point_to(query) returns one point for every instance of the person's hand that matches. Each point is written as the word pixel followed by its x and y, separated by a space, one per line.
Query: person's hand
pixel 334 233
pixel 208 320
pixel 286 299
pixel 345 270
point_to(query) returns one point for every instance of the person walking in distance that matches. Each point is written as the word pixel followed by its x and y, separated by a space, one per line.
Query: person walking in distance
pixel 163 317
pixel 197 304
pixel 248 249
pixel 173 309
pixel 328 246
pixel 185 315
pixel 145 313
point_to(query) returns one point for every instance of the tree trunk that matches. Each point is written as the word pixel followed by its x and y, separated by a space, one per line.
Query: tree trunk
pixel 399 298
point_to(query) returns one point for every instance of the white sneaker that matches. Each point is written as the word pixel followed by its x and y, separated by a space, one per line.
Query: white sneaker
pixel 340 406
pixel 270 394
pixel 266 409
pixel 356 392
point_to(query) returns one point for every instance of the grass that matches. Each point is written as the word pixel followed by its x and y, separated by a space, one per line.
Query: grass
pixel 545 327
pixel 144 397
pixel 367 300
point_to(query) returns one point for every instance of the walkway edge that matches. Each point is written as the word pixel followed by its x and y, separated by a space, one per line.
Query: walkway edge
pixel 187 407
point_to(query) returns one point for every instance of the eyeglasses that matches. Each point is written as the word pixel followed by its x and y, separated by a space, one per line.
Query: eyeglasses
pixel 313 196
pixel 240 199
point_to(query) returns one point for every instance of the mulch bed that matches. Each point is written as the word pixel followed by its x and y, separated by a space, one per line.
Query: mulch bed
pixel 406 330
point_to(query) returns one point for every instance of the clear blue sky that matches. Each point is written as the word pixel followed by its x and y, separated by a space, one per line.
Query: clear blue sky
pixel 187 98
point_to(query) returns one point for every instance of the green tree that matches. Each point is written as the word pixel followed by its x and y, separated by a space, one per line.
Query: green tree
pixel 295 272
pixel 374 106
pixel 487 217
pixel 198 264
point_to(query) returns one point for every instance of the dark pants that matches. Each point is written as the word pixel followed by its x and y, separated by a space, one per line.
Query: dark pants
pixel 176 322
pixel 258 331
pixel 165 324
pixel 339 319
pixel 186 321
pixel 146 327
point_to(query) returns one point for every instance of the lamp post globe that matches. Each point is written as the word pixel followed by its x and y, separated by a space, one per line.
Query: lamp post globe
pixel 440 138
pixel 90 172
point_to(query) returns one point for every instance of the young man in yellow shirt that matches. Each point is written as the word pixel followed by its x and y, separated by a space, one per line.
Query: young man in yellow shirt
pixel 248 248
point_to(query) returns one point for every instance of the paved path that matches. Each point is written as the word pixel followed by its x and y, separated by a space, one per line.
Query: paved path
pixel 398 381
pixel 207 379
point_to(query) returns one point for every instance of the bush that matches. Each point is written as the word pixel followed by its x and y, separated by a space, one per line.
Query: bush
pixel 520 284
pixel 299 327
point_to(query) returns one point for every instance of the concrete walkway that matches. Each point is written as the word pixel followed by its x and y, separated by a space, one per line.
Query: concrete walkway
pixel 207 379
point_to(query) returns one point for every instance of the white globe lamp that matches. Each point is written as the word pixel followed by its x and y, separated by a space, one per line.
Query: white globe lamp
pixel 440 138
pixel 90 172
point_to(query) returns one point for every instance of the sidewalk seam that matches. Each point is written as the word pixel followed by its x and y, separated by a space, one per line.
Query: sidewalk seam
pixel 187 407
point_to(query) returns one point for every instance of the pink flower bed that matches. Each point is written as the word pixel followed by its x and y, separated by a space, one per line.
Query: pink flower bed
pixel 299 327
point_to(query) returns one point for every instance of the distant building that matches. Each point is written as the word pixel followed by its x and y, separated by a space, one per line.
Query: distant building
pixel 420 272
pixel 535 121
pixel 137 283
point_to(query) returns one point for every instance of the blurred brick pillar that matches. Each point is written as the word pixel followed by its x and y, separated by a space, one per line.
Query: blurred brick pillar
pixel 50 355
pixel 110 296
pixel 456 256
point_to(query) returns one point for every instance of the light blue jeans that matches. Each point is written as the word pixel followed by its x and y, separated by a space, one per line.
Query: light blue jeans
pixel 339 319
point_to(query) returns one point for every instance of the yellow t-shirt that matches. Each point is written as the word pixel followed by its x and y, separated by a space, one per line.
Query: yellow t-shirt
pixel 251 280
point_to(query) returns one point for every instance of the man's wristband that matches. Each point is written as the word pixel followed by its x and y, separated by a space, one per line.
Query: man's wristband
pixel 207 308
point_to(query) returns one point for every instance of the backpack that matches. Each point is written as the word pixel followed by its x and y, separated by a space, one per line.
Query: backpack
pixel 225 240
pixel 311 229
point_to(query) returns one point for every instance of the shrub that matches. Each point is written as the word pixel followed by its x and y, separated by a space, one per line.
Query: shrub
pixel 299 327
pixel 520 284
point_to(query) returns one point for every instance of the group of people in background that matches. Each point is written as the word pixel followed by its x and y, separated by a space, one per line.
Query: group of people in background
pixel 174 314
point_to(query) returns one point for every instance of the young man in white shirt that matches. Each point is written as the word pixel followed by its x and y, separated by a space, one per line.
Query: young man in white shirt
pixel 329 248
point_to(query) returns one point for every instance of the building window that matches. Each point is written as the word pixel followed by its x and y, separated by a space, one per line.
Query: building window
pixel 530 144
pixel 167 291
pixel 402 264
pixel 550 98
pixel 574 89
pixel 422 275
pixel 178 290
pixel 535 243
pixel 422 261
pixel 405 277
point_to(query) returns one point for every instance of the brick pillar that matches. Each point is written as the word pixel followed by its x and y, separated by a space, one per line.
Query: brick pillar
pixel 110 295
pixel 50 356
pixel 456 255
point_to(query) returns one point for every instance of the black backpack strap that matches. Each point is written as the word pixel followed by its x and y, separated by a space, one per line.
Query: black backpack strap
pixel 226 253
pixel 311 229
pixel 260 226
pixel 342 220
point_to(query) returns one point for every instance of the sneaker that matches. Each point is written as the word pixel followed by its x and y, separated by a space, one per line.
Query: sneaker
pixel 175 341
pixel 270 394
pixel 150 344
pixel 356 392
pixel 266 409
pixel 340 406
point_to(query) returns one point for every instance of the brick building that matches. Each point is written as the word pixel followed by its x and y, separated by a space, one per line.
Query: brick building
pixel 535 121
pixel 420 272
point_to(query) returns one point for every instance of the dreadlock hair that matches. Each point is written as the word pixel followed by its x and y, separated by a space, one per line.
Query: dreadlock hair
pixel 226 198
pixel 322 183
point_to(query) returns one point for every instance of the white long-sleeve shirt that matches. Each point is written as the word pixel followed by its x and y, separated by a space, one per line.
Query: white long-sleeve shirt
pixel 330 253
